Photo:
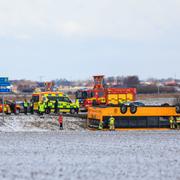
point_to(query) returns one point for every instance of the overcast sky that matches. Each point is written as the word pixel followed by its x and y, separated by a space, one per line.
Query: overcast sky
pixel 76 39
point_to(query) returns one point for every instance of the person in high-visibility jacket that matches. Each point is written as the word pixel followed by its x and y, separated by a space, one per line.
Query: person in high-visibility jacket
pixel 111 123
pixel 41 107
pixel 32 106
pixel 56 107
pixel 49 106
pixel 178 122
pixel 171 121
pixel 25 104
pixel 77 103
pixel 100 125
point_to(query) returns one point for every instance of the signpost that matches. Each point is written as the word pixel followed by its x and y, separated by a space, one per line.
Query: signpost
pixel 4 79
pixel 4 83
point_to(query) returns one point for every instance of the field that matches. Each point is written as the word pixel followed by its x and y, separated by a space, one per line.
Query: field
pixel 35 148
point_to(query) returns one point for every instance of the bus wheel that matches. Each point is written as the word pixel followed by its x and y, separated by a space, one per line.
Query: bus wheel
pixel 165 105
pixel 18 111
pixel 133 109
pixel 123 108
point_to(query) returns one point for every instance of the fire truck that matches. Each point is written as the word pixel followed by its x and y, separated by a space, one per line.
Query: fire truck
pixel 100 95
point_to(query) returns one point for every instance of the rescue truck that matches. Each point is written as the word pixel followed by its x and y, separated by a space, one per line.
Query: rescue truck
pixel 100 95
pixel 65 104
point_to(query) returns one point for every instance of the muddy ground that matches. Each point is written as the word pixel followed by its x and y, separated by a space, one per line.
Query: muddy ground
pixel 33 147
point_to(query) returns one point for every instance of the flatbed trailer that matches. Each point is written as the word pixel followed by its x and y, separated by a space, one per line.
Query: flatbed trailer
pixel 144 117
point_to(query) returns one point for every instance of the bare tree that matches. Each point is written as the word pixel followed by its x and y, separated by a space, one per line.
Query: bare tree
pixel 131 81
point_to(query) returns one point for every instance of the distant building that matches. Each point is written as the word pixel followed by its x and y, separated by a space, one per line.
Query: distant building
pixel 170 83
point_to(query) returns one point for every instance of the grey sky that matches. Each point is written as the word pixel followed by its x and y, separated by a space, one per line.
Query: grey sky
pixel 76 39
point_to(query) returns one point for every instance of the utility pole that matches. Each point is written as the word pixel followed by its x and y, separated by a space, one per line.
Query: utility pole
pixel 3 107
pixel 158 88
pixel 4 84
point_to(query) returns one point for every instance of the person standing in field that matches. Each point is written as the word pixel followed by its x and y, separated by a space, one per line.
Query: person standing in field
pixel 171 122
pixel 112 123
pixel 32 106
pixel 60 120
pixel 25 105
pixel 41 108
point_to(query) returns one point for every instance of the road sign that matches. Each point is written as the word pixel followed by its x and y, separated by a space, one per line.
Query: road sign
pixel 4 84
pixel 5 90
pixel 4 79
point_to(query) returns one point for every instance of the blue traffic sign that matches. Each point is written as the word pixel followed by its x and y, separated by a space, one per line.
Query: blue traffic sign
pixel 5 84
pixel 4 79
pixel 5 90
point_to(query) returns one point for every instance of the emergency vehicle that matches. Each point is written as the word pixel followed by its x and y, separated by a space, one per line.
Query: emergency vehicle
pixel 100 95
pixel 65 104
pixel 7 109
pixel 17 107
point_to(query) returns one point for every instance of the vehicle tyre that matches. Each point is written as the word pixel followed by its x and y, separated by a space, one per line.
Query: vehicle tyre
pixel 7 113
pixel 18 111
pixel 165 105
pixel 47 111
pixel 133 109
pixel 77 110
pixel 177 108
pixel 72 111
pixel 123 109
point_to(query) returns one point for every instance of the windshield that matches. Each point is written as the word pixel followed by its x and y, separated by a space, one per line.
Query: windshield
pixel 83 95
